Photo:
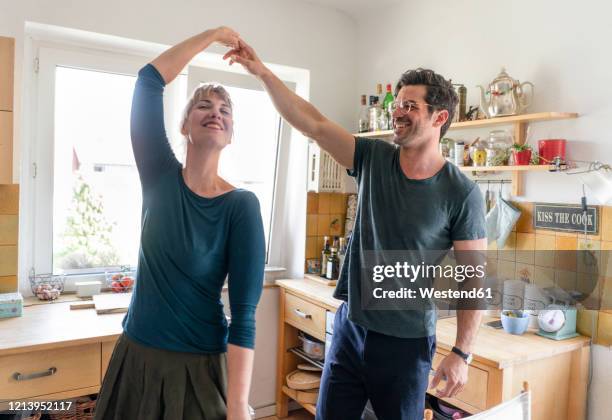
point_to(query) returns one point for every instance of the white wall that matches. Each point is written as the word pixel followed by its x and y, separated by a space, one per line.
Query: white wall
pixel 286 32
pixel 561 46
pixel 289 32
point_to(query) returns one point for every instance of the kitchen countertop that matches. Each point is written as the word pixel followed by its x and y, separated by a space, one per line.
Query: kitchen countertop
pixel 493 347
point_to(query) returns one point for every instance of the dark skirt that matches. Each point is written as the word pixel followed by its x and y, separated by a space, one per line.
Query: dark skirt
pixel 148 383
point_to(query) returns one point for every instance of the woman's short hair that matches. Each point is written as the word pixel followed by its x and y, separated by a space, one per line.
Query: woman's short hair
pixel 203 92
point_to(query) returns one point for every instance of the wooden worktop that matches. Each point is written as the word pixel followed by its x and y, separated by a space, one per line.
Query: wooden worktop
pixel 54 325
pixel 493 347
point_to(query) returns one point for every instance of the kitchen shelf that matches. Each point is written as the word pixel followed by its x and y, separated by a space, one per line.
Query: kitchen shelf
pixel 508 168
pixel 519 123
pixel 299 352
pixel 292 393
pixel 488 122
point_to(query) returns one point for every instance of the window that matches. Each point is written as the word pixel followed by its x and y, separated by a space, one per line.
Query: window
pixel 96 191
pixel 86 199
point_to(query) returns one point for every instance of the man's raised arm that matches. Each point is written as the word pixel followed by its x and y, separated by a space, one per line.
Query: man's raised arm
pixel 334 139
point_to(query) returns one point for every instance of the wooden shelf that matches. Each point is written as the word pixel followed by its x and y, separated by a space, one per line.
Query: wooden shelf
pixel 488 122
pixel 291 393
pixel 519 123
pixel 507 168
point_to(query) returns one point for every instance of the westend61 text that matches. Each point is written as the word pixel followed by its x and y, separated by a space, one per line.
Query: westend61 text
pixel 432 293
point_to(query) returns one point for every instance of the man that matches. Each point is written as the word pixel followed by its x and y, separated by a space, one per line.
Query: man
pixel 410 199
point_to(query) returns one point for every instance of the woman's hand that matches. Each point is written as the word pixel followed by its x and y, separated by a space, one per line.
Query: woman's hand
pixel 226 36
pixel 245 55
pixel 238 412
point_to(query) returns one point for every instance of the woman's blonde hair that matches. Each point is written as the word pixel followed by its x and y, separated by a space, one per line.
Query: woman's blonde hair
pixel 203 92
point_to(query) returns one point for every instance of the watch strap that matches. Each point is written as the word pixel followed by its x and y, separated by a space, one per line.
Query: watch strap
pixel 467 357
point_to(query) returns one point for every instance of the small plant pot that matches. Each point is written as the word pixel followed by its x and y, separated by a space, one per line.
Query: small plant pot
pixel 522 158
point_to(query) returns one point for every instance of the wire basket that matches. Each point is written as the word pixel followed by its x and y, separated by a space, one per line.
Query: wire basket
pixel 47 286
pixel 120 281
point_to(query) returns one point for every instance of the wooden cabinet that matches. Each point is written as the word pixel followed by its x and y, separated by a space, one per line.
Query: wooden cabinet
pixel 557 371
pixel 52 352
pixel 305 316
pixel 49 371
pixel 7 59
pixel 7 66
pixel 107 352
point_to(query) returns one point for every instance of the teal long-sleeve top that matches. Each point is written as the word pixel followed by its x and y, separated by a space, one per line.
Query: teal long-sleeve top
pixel 189 245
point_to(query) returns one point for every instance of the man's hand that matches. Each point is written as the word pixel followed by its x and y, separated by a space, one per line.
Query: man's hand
pixel 226 36
pixel 245 55
pixel 455 371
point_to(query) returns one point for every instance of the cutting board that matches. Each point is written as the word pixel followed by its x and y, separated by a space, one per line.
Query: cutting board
pixel 112 303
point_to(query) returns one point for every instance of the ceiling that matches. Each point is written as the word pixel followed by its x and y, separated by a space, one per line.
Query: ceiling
pixel 353 8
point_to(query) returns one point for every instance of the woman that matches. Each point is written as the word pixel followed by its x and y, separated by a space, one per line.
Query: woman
pixel 170 362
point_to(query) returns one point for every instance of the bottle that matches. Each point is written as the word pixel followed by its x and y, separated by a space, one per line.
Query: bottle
pixel 374 112
pixel 332 265
pixel 387 107
pixel 383 121
pixel 364 116
pixel 324 254
pixel 459 147
pixel 341 253
pixel 462 91
pixel 379 93
pixel 336 242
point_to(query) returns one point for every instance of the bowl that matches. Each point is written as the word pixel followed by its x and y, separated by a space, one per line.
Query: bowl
pixel 515 322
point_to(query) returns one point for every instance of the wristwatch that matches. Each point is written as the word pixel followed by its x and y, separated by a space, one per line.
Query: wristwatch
pixel 467 357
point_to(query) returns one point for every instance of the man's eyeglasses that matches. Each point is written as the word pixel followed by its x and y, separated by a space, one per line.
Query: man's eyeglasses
pixel 406 106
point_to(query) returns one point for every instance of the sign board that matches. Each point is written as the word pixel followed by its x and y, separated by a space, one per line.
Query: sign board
pixel 566 217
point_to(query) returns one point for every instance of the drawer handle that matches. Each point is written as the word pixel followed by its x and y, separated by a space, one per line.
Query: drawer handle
pixel 26 377
pixel 302 314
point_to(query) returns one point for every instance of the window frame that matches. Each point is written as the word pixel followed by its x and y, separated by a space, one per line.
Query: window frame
pixel 50 46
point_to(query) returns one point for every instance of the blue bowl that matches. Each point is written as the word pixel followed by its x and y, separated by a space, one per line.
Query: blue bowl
pixel 515 325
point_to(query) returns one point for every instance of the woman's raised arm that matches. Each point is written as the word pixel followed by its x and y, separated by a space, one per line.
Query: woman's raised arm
pixel 172 61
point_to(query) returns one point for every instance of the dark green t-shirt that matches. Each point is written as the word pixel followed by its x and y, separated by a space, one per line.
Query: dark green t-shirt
pixel 395 213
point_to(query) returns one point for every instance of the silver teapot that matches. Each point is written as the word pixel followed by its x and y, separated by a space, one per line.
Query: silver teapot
pixel 505 96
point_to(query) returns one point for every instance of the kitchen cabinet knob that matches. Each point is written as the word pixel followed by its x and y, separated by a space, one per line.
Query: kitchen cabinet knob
pixel 28 376
pixel 302 314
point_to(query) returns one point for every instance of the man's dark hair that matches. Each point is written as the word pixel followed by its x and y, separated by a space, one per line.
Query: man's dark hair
pixel 440 92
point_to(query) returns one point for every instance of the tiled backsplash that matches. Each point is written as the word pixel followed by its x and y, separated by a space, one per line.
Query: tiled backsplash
pixel 325 216
pixel 521 255
pixel 518 256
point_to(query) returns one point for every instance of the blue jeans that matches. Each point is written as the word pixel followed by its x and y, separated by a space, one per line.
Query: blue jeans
pixel 391 372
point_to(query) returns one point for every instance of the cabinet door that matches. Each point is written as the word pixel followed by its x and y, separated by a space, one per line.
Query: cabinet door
pixel 7 61
pixel 6 146
pixel 107 352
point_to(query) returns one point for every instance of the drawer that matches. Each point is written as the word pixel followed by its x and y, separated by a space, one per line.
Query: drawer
pixel 107 352
pixel 475 392
pixel 305 316
pixel 49 371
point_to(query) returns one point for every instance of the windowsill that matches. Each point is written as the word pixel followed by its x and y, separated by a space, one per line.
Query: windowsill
pixel 271 273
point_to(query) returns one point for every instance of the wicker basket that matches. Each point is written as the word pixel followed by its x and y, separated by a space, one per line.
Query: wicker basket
pixel 33 416
pixel 84 410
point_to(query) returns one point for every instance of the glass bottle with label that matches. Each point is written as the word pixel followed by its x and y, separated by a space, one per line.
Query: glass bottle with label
pixel 375 112
pixel 387 106
pixel 364 116
pixel 333 264
pixel 341 252
pixel 324 255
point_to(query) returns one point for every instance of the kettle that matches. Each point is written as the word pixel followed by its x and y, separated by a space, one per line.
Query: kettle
pixel 506 96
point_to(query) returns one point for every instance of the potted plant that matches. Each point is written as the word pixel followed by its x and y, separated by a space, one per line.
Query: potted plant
pixel 521 154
